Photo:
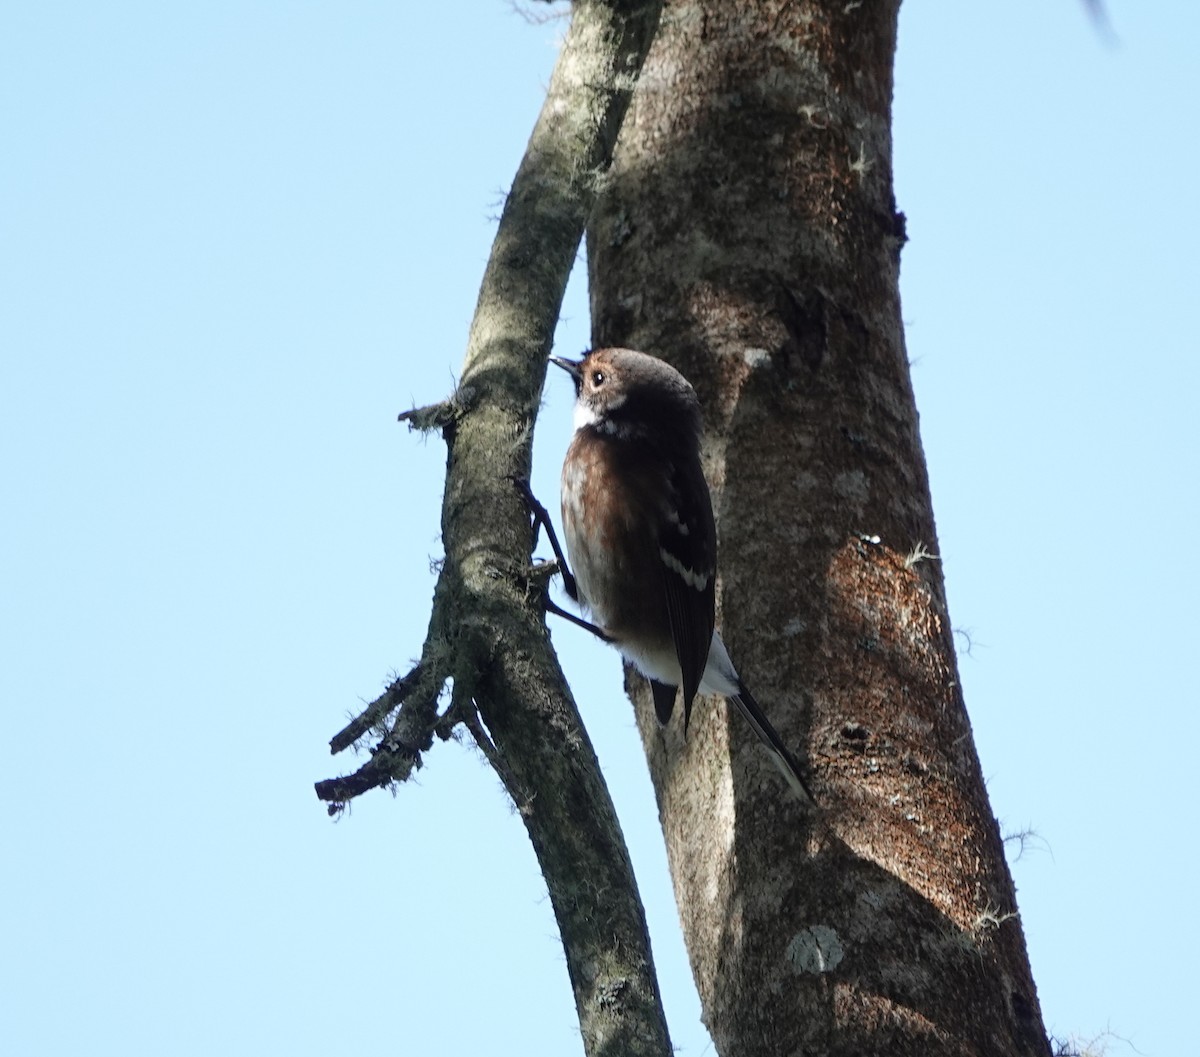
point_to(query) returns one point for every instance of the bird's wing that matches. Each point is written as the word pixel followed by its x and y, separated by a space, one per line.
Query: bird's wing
pixel 688 548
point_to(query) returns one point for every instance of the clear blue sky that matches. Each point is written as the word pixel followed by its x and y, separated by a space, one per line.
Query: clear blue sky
pixel 237 238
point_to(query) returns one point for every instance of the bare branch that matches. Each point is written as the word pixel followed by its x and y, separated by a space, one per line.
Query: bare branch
pixel 439 416
pixel 398 752
pixel 391 763
pixel 486 632
pixel 426 419
pixel 385 704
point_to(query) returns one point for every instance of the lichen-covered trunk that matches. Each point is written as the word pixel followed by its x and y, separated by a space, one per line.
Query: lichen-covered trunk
pixel 749 234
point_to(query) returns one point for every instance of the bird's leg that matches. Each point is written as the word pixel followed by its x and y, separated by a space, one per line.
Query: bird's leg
pixel 558 611
pixel 540 518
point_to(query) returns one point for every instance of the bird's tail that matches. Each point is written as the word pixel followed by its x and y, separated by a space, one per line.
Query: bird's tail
pixel 788 765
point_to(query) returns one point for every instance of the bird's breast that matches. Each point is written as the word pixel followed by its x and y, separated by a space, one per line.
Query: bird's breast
pixel 610 518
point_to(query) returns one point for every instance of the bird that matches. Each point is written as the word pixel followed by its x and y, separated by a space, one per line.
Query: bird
pixel 641 539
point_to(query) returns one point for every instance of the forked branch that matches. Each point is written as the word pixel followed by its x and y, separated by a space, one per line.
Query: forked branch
pixel 486 632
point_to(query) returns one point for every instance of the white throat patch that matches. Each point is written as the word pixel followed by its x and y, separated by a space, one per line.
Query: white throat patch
pixel 584 415
pixel 587 416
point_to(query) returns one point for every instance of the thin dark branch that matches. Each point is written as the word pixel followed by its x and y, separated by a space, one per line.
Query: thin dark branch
pixel 441 415
pixel 431 417
pixel 379 709
pixel 405 716
pixel 398 752
pixel 387 766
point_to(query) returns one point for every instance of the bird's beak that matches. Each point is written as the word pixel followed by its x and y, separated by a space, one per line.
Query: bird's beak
pixel 572 367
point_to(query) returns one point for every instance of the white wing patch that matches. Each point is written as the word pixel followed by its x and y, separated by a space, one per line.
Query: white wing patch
pixel 693 579
pixel 681 526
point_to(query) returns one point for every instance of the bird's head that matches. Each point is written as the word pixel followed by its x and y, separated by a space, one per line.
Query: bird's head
pixel 625 393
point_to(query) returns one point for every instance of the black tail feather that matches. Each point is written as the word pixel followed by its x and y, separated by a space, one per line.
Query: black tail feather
pixel 788 765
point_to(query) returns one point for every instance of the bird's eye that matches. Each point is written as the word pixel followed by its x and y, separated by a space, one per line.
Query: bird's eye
pixel 597 378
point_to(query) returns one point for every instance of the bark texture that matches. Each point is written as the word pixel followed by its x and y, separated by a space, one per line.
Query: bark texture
pixel 748 233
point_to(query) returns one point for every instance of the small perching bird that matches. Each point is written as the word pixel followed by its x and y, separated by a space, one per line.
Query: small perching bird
pixel 641 538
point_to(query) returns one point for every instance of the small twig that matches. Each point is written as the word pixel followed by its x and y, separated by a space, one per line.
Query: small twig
pixel 386 703
pixel 440 416
pixel 433 416
pixel 919 553
pixel 398 752
pixel 396 756
pixel 1025 839
pixel 991 918
pixel 385 767
pixel 542 572
pixel 535 18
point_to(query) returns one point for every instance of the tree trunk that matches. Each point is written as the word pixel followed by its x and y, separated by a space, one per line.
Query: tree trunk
pixel 748 234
